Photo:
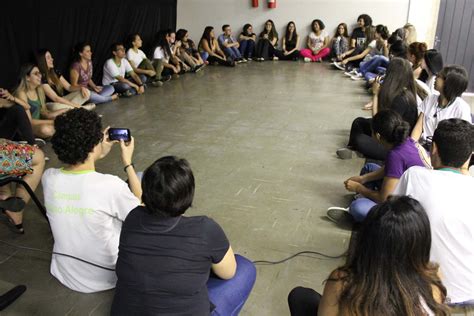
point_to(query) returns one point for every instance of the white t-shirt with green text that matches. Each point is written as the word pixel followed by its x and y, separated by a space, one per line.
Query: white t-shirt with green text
pixel 85 211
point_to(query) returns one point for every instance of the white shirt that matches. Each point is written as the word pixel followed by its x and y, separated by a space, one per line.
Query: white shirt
pixel 159 53
pixel 434 114
pixel 317 41
pixel 112 70
pixel 447 199
pixel 86 211
pixel 135 57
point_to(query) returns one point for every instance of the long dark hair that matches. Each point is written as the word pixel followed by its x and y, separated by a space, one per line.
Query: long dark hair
pixel 245 29
pixel 273 33
pixel 287 33
pixel 391 127
pixel 161 41
pixel 78 49
pixel 50 74
pixel 206 35
pixel 180 34
pixel 399 81
pixel 345 34
pixel 388 270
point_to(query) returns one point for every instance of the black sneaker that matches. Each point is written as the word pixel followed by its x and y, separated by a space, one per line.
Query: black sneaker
pixel 339 215
pixel 165 78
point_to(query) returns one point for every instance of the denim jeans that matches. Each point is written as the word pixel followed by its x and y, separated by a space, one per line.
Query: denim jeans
pixel 372 64
pixel 361 206
pixel 103 96
pixel 121 87
pixel 229 296
pixel 246 48
pixel 232 52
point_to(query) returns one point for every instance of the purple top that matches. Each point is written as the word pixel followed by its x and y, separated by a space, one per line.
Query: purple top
pixel 85 75
pixel 402 157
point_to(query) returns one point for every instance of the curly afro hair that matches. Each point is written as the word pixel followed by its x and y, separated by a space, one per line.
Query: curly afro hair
pixel 78 131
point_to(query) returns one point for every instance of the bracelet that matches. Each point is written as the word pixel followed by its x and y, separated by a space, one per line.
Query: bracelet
pixel 125 168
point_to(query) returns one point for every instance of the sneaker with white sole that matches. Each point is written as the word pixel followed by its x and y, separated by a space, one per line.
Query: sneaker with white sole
pixel 351 73
pixel 357 78
pixel 339 65
pixel 307 60
pixel 339 215
pixel 345 153
pixel 89 106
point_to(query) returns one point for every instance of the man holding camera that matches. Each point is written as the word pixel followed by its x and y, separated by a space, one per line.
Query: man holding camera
pixel 86 208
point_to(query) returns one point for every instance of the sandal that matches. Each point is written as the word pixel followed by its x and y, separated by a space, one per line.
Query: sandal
pixel 16 228
pixel 13 204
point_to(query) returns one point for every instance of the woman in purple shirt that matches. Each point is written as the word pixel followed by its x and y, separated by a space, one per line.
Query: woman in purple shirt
pixel 81 75
pixel 376 183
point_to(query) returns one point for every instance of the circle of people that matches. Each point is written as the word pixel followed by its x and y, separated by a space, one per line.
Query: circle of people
pixel 411 250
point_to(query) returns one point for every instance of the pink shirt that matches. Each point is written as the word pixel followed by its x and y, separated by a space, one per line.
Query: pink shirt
pixel 85 75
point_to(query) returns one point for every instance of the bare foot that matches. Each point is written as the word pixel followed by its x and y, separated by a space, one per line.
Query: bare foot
pixel 115 96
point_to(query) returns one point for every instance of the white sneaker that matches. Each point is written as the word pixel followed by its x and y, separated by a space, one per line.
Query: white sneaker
pixel 339 65
pixel 356 77
pixel 89 106
pixel 351 73
pixel 307 60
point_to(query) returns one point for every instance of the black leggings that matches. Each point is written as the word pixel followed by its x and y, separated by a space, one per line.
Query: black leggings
pixel 293 56
pixel 264 49
pixel 361 140
pixel 303 301
pixel 214 59
pixel 15 125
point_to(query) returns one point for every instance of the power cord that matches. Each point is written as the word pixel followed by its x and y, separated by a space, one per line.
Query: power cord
pixel 55 253
pixel 265 262
pixel 299 254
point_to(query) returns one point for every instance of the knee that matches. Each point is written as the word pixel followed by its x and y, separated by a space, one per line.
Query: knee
pixel 298 295
pixel 245 269
pixel 360 208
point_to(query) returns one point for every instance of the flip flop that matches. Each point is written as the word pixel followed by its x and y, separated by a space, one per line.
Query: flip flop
pixel 12 204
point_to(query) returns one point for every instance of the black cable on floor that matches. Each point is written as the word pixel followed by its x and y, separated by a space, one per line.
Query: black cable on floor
pixel 109 269
pixel 55 253
pixel 299 254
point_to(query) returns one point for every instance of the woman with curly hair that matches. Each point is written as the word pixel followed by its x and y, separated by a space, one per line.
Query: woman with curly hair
pixel 387 271
pixel 86 208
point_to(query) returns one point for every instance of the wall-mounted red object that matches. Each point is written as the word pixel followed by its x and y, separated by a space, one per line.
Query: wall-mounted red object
pixel 255 3
pixel 272 4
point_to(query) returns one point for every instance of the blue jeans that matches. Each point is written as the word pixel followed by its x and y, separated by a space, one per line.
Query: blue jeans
pixel 246 48
pixel 104 96
pixel 229 296
pixel 372 64
pixel 204 56
pixel 361 206
pixel 232 52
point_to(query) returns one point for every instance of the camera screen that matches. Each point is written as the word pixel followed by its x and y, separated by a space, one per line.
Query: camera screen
pixel 119 134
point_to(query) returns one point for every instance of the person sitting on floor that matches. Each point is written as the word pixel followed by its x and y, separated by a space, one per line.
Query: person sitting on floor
pixel 398 93
pixel 267 41
pixel 60 94
pixel 229 45
pixel 188 50
pixel 339 44
pixel 376 182
pixel 30 94
pixel 318 42
pixel 163 54
pixel 290 44
pixel 81 75
pixel 116 70
pixel 247 40
pixel 451 83
pixel 15 125
pixel 175 279
pixel 446 194
pixel 141 65
pixel 86 208
pixel 387 270
pixel 210 50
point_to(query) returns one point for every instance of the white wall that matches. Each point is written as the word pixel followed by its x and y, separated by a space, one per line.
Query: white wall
pixel 194 15
pixel 423 14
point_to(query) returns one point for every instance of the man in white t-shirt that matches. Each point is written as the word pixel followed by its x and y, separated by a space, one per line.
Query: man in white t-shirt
pixel 446 194
pixel 86 208
pixel 451 82
pixel 116 70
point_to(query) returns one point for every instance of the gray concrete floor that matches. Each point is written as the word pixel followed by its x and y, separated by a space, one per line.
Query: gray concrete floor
pixel 261 139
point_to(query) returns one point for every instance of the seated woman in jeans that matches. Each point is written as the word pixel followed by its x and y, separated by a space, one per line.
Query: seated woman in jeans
pixel 376 183
pixel 81 75
pixel 173 264
pixel 387 271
